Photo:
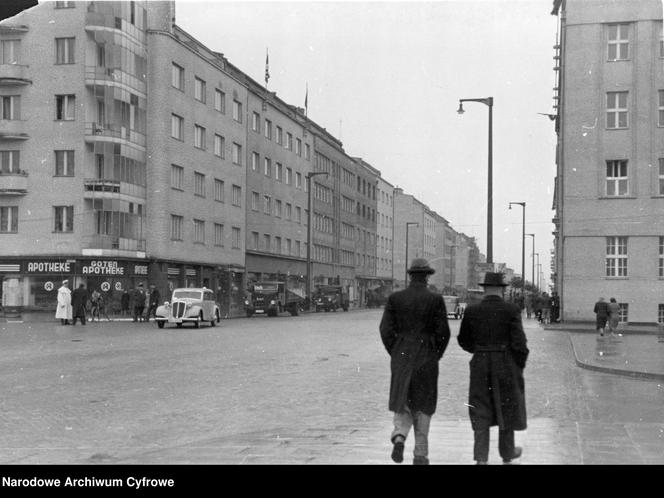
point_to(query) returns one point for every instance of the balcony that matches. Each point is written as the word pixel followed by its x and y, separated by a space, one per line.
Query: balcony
pixel 109 132
pixel 112 245
pixel 96 188
pixel 13 183
pixel 13 129
pixel 13 75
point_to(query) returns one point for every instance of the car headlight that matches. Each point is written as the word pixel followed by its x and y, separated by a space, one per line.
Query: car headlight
pixel 246 302
pixel 273 301
pixel 188 306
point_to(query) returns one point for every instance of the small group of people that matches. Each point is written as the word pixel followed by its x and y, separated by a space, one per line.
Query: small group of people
pixel 415 332
pixel 607 312
pixel 545 308
pixel 79 304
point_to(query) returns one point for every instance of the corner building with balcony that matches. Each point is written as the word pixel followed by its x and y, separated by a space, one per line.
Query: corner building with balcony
pixel 609 192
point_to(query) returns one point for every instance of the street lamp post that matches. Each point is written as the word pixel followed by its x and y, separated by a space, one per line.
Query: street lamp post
pixel 523 248
pixel 533 258
pixel 308 283
pixel 408 224
pixel 489 222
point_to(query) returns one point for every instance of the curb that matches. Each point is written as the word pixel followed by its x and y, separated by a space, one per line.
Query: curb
pixel 614 371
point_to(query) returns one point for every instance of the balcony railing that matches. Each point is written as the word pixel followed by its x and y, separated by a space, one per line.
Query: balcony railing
pixel 112 242
pixel 99 188
pixel 13 129
pixel 111 132
pixel 14 74
pixel 13 183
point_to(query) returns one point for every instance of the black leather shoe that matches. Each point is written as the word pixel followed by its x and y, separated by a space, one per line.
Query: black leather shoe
pixel 482 462
pixel 517 454
pixel 397 452
pixel 420 460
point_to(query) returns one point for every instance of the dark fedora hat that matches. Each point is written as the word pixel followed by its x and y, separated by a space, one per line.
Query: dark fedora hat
pixel 420 265
pixel 494 280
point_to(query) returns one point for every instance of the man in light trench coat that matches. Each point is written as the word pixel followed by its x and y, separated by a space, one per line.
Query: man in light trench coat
pixel 492 331
pixel 415 333
pixel 64 309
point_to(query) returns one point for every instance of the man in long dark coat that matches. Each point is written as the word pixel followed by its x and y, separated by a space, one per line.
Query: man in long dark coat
pixel 79 301
pixel 415 332
pixel 493 332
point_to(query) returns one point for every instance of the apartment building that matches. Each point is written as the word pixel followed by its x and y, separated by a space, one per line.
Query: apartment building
pixel 384 230
pixel 609 190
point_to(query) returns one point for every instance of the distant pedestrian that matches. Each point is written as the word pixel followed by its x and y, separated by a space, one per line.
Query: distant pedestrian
pixel 139 302
pixel 79 303
pixel 601 311
pixel 529 305
pixel 614 315
pixel 98 306
pixel 64 310
pixel 492 331
pixel 555 307
pixel 153 302
pixel 545 301
pixel 124 302
pixel 415 333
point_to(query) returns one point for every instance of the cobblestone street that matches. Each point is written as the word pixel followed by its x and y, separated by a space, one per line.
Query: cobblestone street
pixel 289 390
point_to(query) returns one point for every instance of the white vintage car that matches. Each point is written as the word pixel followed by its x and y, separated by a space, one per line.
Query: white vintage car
pixel 194 305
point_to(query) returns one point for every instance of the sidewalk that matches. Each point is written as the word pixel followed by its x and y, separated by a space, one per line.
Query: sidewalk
pixel 635 351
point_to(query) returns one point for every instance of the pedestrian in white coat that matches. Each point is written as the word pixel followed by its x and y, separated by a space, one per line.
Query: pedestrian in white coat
pixel 64 310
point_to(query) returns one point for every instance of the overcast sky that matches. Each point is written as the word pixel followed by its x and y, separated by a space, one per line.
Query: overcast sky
pixel 386 78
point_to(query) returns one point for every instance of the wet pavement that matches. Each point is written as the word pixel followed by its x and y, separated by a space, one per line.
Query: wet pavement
pixel 304 390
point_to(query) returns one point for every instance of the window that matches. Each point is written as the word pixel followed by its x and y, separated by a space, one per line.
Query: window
pixel 219 101
pixel 277 208
pixel 307 152
pixel 237 238
pixel 254 161
pixel 623 314
pixel 199 184
pixel 661 41
pixel 254 201
pixel 660 108
pixel 298 147
pixel 616 110
pixel 616 178
pixel 289 246
pixel 199 137
pixel 237 111
pixel 199 232
pixel 65 5
pixel 661 257
pixel 237 154
pixel 199 90
pixel 616 256
pixel 268 129
pixel 254 240
pixel 176 227
pixel 267 204
pixel 218 234
pixel 298 180
pixel 64 218
pixel 280 135
pixel 267 242
pixel 64 50
pixel 219 190
pixel 177 127
pixel 219 146
pixel 65 106
pixel 177 177
pixel 618 42
pixel 297 248
pixel 267 166
pixel 8 219
pixel 237 195
pixel 9 51
pixel 64 163
pixel 289 211
pixel 298 214
pixel 255 121
pixel 10 161
pixel 660 313
pixel 177 77
pixel 277 245
pixel 661 176
pixel 289 141
pixel 277 172
pixel 289 176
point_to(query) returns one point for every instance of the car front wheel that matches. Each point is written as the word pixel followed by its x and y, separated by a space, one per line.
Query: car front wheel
pixel 215 320
pixel 160 324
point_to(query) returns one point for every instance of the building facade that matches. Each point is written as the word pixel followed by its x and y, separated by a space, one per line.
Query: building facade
pixel 609 195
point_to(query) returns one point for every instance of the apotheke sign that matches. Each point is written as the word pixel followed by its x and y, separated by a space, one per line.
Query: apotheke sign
pixel 103 268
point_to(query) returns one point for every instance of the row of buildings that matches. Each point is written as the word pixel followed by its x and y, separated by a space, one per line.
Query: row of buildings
pixel 130 152
pixel 609 185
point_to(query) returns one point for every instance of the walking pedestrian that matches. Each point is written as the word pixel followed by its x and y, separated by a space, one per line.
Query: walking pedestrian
pixel 415 333
pixel 614 315
pixel 153 302
pixel 79 302
pixel 64 311
pixel 98 306
pixel 601 311
pixel 555 307
pixel 124 302
pixel 139 302
pixel 546 308
pixel 493 332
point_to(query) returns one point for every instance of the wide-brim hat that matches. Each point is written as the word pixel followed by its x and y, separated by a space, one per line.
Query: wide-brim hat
pixel 494 280
pixel 420 265
pixel 65 281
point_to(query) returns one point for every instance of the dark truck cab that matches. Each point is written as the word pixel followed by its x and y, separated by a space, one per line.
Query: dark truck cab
pixel 273 297
pixel 330 298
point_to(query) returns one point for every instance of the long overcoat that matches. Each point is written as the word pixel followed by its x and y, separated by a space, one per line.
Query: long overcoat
pixel 79 300
pixel 493 332
pixel 64 311
pixel 415 333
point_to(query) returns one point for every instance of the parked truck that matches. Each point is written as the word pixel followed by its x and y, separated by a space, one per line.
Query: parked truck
pixel 330 298
pixel 273 297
